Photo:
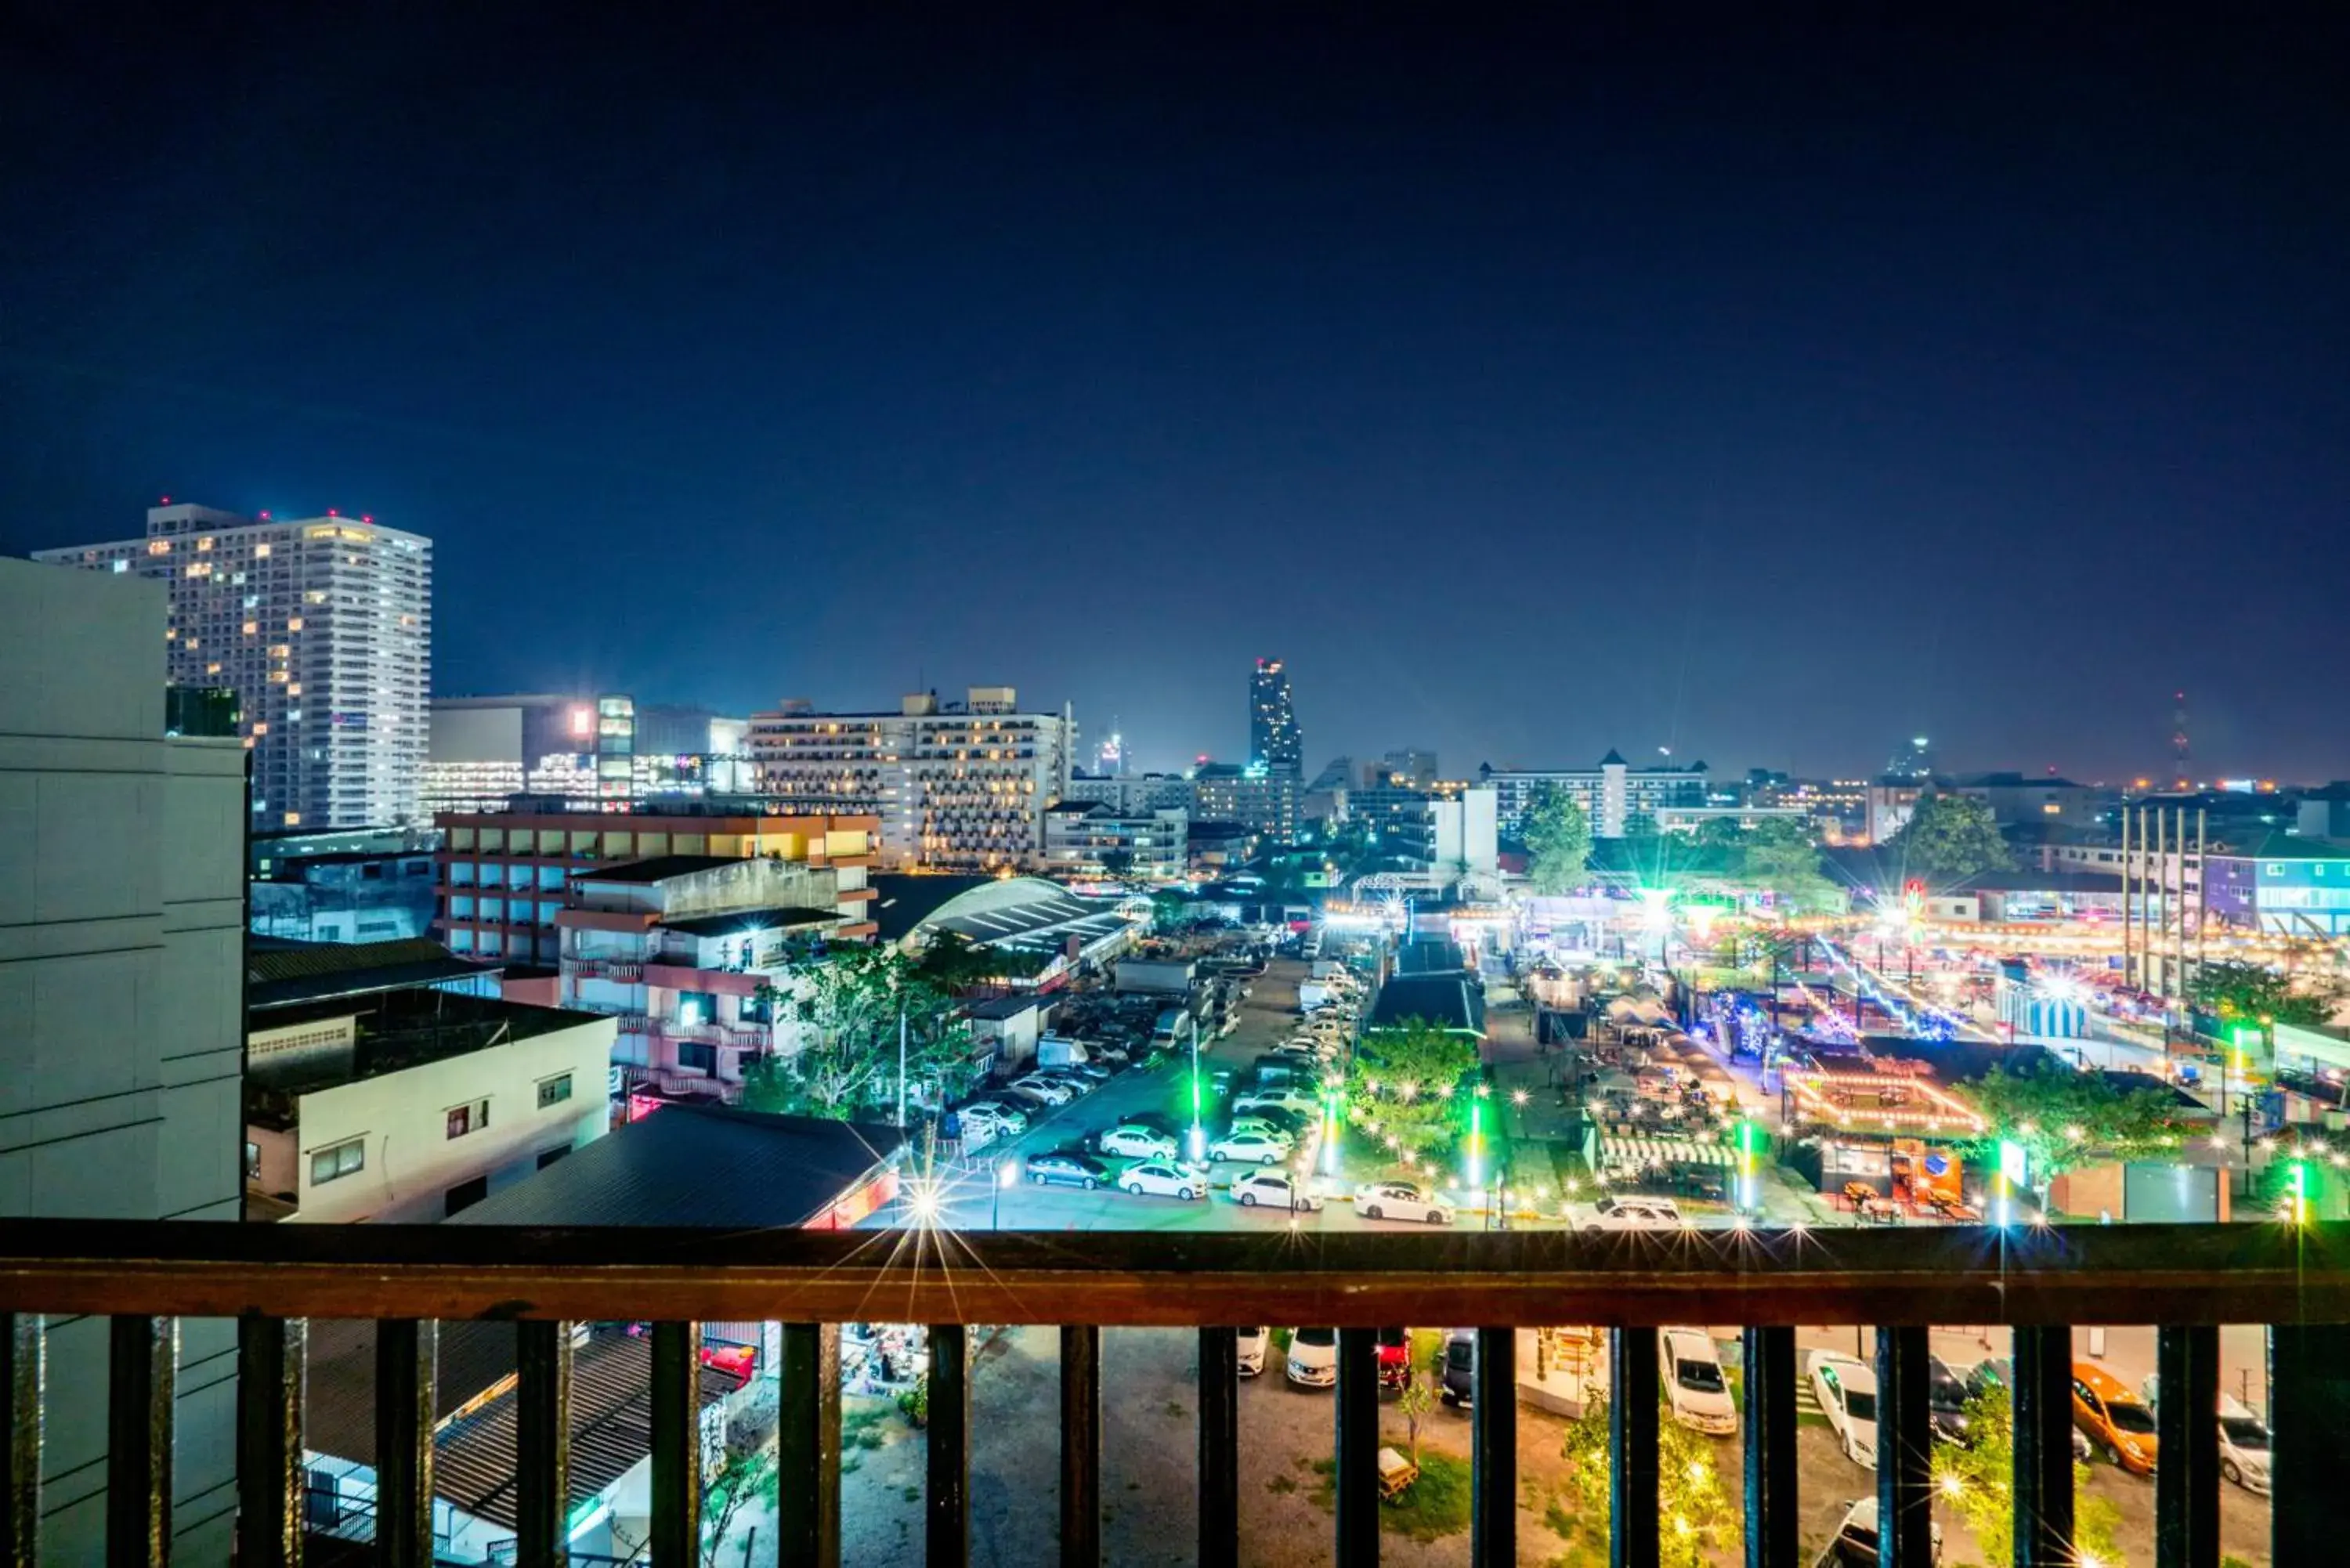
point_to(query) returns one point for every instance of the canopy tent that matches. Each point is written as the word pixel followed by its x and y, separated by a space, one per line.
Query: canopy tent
pixel 1641 1151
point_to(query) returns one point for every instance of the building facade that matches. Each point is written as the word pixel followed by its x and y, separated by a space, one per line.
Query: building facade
pixel 1134 794
pixel 323 627
pixel 954 786
pixel 696 956
pixel 504 876
pixel 1275 742
pixel 121 931
pixel 1612 794
pixel 2286 885
pixel 414 1105
pixel 1263 800
pixel 1082 839
pixel 583 750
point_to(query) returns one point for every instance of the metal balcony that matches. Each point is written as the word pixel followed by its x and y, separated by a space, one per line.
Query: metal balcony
pixel 2186 1279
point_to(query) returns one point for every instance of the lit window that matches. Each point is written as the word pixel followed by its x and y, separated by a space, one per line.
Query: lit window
pixel 293 623
pixel 469 1118
pixel 252 628
pixel 205 543
pixel 293 819
pixel 261 552
pixel 333 1164
pixel 159 547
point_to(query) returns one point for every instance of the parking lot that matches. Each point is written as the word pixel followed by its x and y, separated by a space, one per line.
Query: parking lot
pixel 1150 1388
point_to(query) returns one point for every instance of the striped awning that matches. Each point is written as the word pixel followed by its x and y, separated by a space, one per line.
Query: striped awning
pixel 1642 1150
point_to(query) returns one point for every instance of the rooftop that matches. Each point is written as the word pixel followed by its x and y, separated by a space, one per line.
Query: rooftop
pixel 739 922
pixel 659 868
pixel 1454 1002
pixel 695 1165
pixel 398 1030
pixel 280 972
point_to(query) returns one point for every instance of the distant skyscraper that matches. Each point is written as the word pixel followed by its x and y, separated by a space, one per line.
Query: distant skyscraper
pixel 322 627
pixel 1914 762
pixel 1411 765
pixel 1274 739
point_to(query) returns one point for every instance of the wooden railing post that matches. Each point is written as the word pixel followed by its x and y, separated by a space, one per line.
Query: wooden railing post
pixel 1633 1537
pixel 676 1445
pixel 1768 1422
pixel 1356 1450
pixel 21 1353
pixel 2186 1448
pixel 1080 1445
pixel 1220 1448
pixel 2042 1461
pixel 2309 1410
pixel 543 1443
pixel 142 1362
pixel 946 1499
pixel 272 1356
pixel 406 1357
pixel 1493 1450
pixel 809 1447
pixel 1904 1449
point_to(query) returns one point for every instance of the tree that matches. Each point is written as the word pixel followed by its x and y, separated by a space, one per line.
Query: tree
pixel 2241 992
pixel 850 1006
pixel 1976 1477
pixel 2065 1119
pixel 1117 862
pixel 953 963
pixel 1690 1499
pixel 1953 835
pixel 1417 1396
pixel 1404 1085
pixel 1720 832
pixel 746 1479
pixel 1558 841
pixel 1170 912
pixel 1783 860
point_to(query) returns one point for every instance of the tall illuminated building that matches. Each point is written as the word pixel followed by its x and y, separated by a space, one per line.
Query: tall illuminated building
pixel 322 627
pixel 1273 741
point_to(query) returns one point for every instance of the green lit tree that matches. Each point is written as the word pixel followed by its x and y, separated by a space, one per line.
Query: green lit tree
pixel 849 1007
pixel 2241 992
pixel 1403 1089
pixel 1557 836
pixel 1721 831
pixel 1953 835
pixel 1692 1502
pixel 2065 1119
pixel 1976 1479
pixel 1782 859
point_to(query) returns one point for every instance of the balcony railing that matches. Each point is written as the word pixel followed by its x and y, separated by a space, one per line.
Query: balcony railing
pixel 2186 1279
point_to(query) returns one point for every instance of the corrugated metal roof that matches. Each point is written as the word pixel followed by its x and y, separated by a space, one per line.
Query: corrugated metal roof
pixel 657 868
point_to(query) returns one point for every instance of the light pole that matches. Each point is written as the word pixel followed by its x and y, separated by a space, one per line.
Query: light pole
pixel 1198 1093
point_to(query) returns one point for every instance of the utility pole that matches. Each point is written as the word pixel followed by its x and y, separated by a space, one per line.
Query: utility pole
pixel 901 1064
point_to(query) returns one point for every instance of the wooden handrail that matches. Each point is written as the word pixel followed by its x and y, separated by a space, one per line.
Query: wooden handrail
pixel 2174 1274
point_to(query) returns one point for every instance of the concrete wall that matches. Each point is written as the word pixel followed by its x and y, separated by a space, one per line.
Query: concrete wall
pixel 412 1162
pixel 121 931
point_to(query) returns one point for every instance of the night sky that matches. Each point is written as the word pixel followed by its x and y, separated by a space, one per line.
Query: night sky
pixel 1531 390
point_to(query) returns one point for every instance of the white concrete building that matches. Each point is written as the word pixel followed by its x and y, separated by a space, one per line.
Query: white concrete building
pixel 1611 793
pixel 323 627
pixel 1467 833
pixel 1088 840
pixel 956 786
pixel 121 931
pixel 412 1104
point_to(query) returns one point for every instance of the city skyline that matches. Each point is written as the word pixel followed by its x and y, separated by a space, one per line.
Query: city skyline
pixel 1423 356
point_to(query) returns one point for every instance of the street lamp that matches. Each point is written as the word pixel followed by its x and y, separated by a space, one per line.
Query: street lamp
pixel 1199 1094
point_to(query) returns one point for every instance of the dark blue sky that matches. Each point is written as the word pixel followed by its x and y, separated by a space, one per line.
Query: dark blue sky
pixel 1529 389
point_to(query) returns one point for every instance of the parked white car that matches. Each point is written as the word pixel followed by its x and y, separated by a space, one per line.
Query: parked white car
pixel 1162 1179
pixel 1005 1119
pixel 1136 1142
pixel 1252 1342
pixel 1274 1189
pixel 2244 1438
pixel 1249 1146
pixel 1400 1200
pixel 1284 1097
pixel 1846 1392
pixel 1636 1213
pixel 1695 1390
pixel 1854 1545
pixel 1044 1091
pixel 1280 1134
pixel 1313 1357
